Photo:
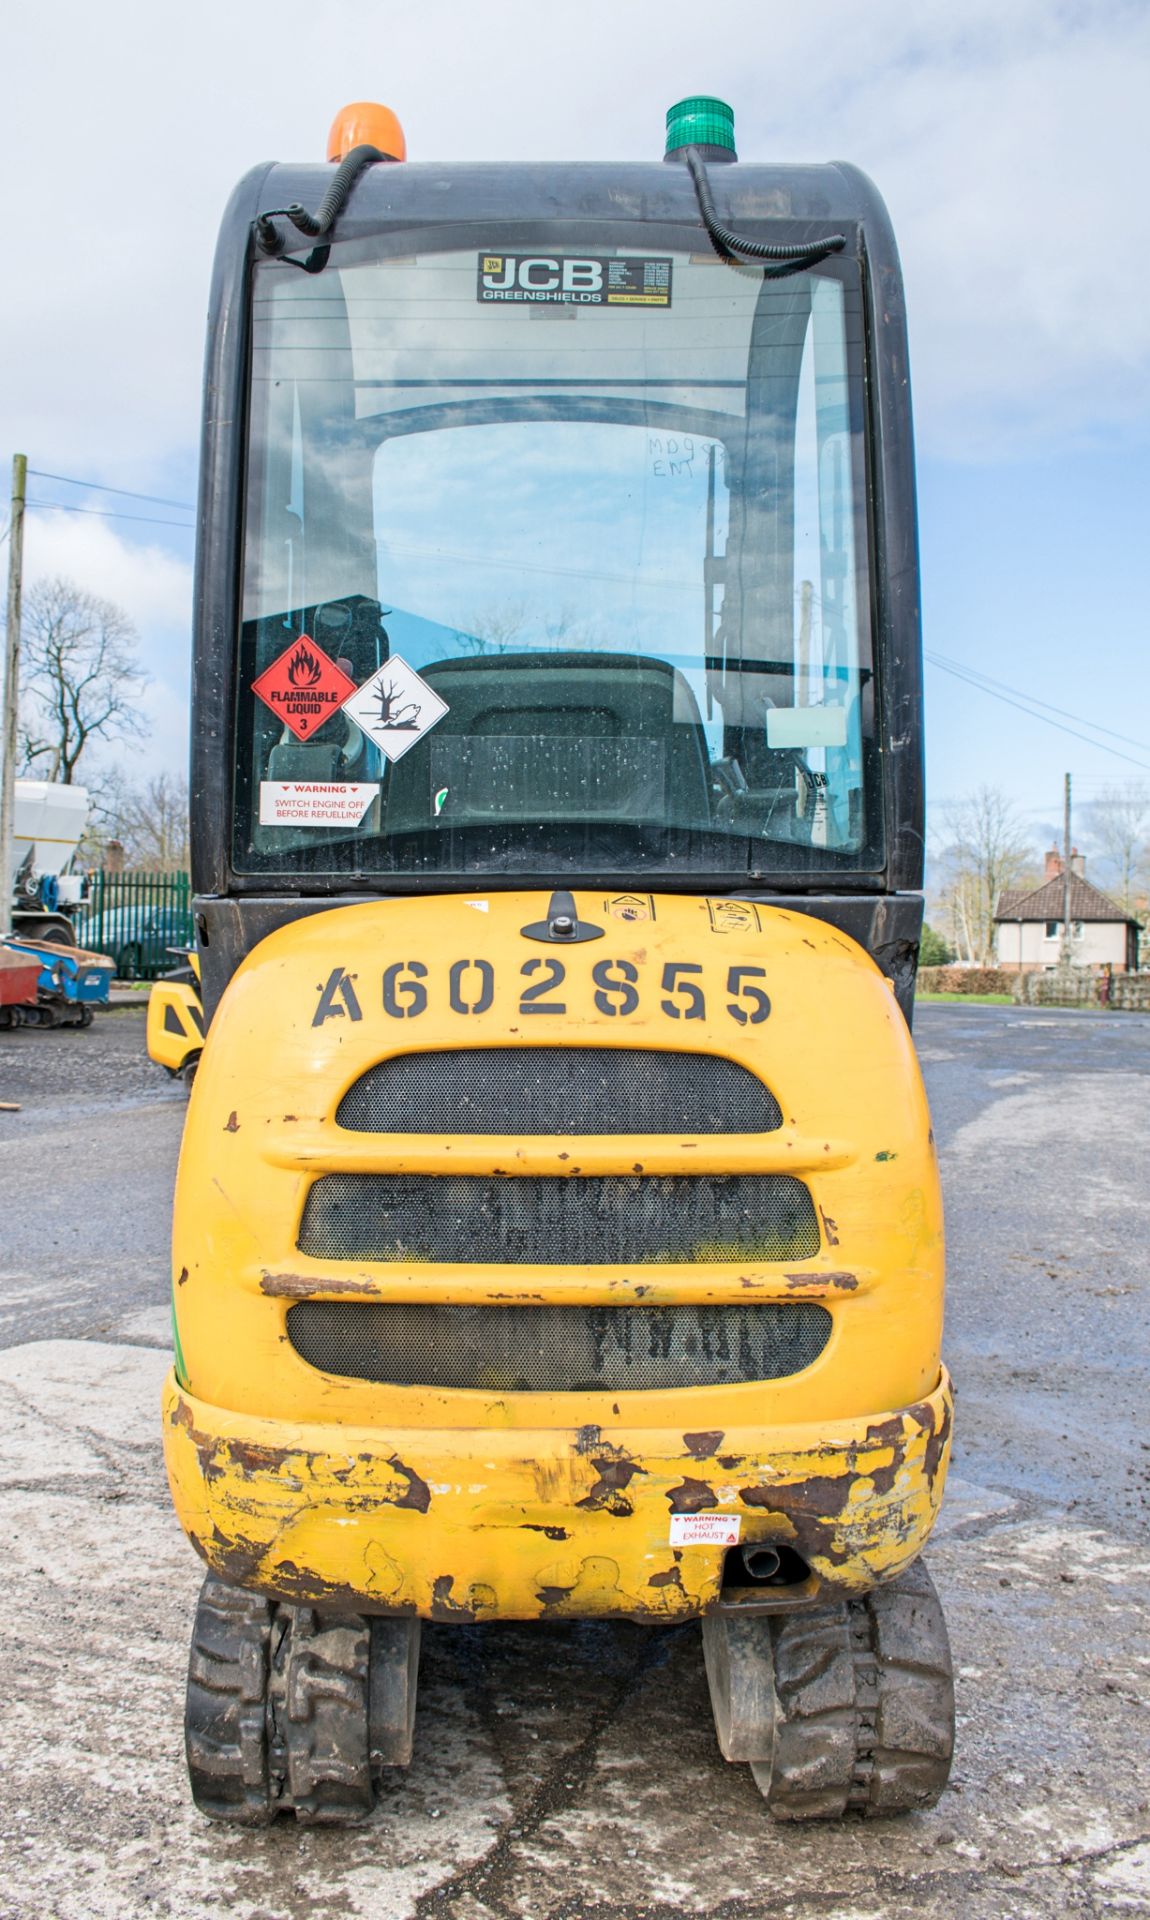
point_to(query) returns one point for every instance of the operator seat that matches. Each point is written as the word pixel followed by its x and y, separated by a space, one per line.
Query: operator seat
pixel 546 737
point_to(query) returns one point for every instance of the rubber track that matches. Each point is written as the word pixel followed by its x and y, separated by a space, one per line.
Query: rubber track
pixel 866 1705
pixel 277 1711
pixel 319 1711
pixel 225 1727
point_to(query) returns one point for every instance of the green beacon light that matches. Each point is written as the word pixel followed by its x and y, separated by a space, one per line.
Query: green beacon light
pixel 704 123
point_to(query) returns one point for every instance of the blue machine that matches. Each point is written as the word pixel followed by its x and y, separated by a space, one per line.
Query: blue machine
pixel 72 982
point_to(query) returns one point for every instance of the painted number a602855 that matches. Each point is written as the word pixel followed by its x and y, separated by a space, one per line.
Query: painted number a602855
pixel 617 988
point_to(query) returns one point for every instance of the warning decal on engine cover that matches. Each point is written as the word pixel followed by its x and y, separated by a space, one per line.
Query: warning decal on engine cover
pixel 705 1529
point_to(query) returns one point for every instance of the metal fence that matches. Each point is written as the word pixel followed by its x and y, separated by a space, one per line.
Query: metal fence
pixel 137 917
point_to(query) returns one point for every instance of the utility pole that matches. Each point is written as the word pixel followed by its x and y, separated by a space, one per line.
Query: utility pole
pixel 1067 949
pixel 10 711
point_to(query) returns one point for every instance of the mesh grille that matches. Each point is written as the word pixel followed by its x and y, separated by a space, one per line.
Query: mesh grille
pixel 566 1220
pixel 558 1090
pixel 558 1349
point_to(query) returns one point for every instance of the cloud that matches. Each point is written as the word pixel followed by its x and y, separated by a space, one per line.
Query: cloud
pixel 153 586
pixel 1007 140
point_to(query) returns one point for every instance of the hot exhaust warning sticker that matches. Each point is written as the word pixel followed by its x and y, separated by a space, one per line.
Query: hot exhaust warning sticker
pixel 705 1529
pixel 574 280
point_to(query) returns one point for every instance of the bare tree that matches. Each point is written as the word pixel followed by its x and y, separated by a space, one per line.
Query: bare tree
pixel 149 821
pixel 82 681
pixel 986 848
pixel 496 629
pixel 1119 822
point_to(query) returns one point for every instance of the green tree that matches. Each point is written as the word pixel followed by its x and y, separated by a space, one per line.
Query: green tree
pixel 933 950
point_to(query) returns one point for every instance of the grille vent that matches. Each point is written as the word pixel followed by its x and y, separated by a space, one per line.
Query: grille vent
pixel 575 1220
pixel 517 1090
pixel 519 1349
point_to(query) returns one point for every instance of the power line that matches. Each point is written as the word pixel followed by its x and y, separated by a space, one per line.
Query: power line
pixel 106 513
pixel 97 486
pixel 975 673
pixel 962 674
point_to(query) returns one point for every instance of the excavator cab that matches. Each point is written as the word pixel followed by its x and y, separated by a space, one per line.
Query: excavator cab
pixel 557 1229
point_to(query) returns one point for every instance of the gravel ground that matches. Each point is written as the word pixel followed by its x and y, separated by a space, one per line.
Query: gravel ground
pixel 569 1772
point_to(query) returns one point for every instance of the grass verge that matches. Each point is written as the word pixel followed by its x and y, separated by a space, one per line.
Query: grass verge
pixel 964 999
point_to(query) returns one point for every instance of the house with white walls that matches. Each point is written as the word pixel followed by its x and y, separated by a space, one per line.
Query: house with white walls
pixel 1028 924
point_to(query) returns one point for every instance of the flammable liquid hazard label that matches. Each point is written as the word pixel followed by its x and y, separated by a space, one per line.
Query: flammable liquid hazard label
pixel 303 687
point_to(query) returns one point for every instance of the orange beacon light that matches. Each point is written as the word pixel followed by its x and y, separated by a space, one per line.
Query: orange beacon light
pixel 366 124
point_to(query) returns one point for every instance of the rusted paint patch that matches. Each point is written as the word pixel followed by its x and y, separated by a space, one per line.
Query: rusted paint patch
pixel 182 1277
pixel 884 1433
pixel 672 1578
pixel 418 1493
pixel 701 1446
pixel 616 1472
pixel 231 1124
pixel 302 1286
pixel 935 1442
pixel 692 1496
pixel 840 1282
pixel 821 1497
pixel 443 1605
pixel 886 1155
pixel 830 1228
pixel 248 1456
pixel 552 1533
pixel 302 1586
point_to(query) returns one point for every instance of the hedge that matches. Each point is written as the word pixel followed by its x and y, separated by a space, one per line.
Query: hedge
pixel 964 980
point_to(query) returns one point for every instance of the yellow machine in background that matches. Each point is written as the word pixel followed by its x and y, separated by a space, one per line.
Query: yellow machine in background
pixel 175 1031
pixel 557 1229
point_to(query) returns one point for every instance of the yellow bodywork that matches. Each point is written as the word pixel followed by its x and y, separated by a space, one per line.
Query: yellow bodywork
pixel 175 1031
pixel 487 1504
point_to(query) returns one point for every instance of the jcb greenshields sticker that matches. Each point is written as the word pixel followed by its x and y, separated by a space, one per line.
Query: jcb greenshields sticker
pixel 574 280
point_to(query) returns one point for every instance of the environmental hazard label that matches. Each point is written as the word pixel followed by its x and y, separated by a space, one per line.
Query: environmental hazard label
pixel 313 803
pixel 395 708
pixel 705 1529
pixel 303 687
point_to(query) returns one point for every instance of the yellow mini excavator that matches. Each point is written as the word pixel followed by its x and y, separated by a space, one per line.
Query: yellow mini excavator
pixel 557 1229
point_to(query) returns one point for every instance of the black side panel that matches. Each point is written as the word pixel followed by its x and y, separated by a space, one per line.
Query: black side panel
pixel 219 540
pixel 894 514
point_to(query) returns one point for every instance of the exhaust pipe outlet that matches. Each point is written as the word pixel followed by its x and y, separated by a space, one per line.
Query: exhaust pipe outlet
pixel 762 1563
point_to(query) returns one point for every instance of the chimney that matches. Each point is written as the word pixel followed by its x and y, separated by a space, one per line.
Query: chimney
pixel 1053 864
pixel 1078 863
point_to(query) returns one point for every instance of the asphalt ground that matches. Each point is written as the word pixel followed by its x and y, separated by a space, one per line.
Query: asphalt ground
pixel 569 1772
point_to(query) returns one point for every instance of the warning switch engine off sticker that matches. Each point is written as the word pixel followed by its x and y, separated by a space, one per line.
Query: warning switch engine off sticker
pixel 315 803
pixel 574 280
pixel 303 687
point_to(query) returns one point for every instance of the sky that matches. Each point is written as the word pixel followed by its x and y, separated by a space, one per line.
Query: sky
pixel 1008 142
